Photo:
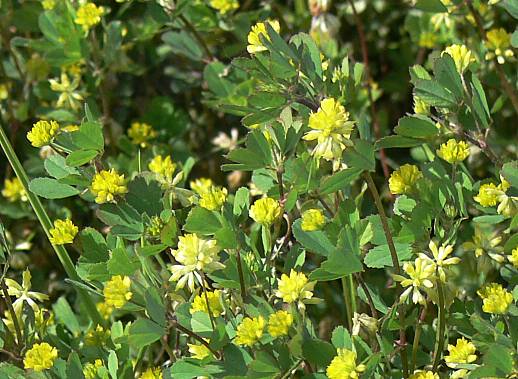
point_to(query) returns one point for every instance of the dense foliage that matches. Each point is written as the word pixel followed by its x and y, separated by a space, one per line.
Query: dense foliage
pixel 259 189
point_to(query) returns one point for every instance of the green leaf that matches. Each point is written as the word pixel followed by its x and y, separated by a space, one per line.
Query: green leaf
pixel 396 141
pixel 94 247
pixel 201 221
pixel 510 173
pixel 56 166
pixel 124 220
pixel 499 357
pixel 416 127
pixel 339 180
pixel 121 263
pixel 182 43
pixel 379 256
pixel 511 6
pixel 113 364
pixel 241 201
pixel 361 156
pixel 341 338
pixel 434 94
pixel 340 263
pixel 187 370
pixel 144 197
pixel 316 242
pixel 318 352
pixel 514 38
pixel 155 306
pixel 434 6
pixel 66 316
pixel 51 188
pixel 447 75
pixel 481 108
pixel 263 366
pixel 144 332
pixel 74 367
pixel 89 136
pixel 80 157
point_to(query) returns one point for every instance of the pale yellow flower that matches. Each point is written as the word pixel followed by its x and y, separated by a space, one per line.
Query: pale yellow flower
pixel 69 96
pixel 440 258
pixel 344 366
pixel 152 373
pixel 265 211
pixel 496 299
pixel 453 151
pixel 23 293
pixel 199 304
pixel 279 323
pixel 462 352
pixel 141 133
pixel 249 331
pixel 513 257
pixel 485 242
pixel 462 56
pixel 424 374
pixel 420 275
pixel 13 190
pixel 255 44
pixel 499 45
pixel 312 219
pixel 163 167
pixel 295 288
pixel 403 180
pixel 199 351
pixel 224 6
pixel 90 369
pixel 201 185
pixel 42 133
pixel 117 291
pixel 88 15
pixel 214 198
pixel 40 357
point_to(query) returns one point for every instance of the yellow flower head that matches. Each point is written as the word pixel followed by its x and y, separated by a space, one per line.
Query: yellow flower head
pixel 402 180
pixel 498 43
pixel 331 129
pixel 88 15
pixel 279 323
pixel 155 226
pixel 48 4
pixel 117 291
pixel 42 133
pixel 453 151
pixel 104 310
pixel 97 336
pixel 108 184
pixel 485 242
pixel 224 6
pixel 513 258
pixel 265 211
pixel 141 133
pixel 63 232
pixel 344 366
pixel 312 219
pixel 488 195
pixel 495 298
pixel 420 106
pixel 424 374
pixel 152 373
pixel 461 55
pixel 90 369
pixel 214 198
pixel 69 96
pixel 295 287
pixel 255 44
pixel 440 259
pixel 428 39
pixel 41 356
pixel 249 331
pixel 199 304
pixel 14 191
pixel 4 91
pixel 163 168
pixel 462 352
pixel 201 185
pixel 419 274
pixel 194 254
pixel 199 351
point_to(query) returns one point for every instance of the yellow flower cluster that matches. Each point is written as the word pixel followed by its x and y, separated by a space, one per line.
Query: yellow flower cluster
pixel 462 352
pixel 403 180
pixel 344 366
pixel 224 6
pixel 424 374
pixel 69 96
pixel 117 291
pixel 97 336
pixel 13 190
pixel 90 369
pixel 255 44
pixel 155 226
pixel 420 106
pixel 513 258
pixel 331 129
pixel 427 39
pixel 495 298
pixel 104 310
pixel 108 184
pixel 201 185
pixel 213 198
pixel 40 357
pixel 152 373
pixel 48 4
pixel 63 232
pixel 199 351
pixel 42 133
pixel 88 15
pixel 453 151
pixel 440 258
pixel 199 304
pixel 4 91
pixel 488 195
pixel 249 331
pixel 279 323
pixel 312 219
pixel 295 288
pixel 419 278
pixel 163 168
pixel 461 55
pixel 141 133
pixel 265 211
pixel 499 45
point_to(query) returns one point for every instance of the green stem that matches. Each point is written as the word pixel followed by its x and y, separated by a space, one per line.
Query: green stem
pixel 347 301
pixel 417 337
pixel 14 317
pixel 46 224
pixel 353 294
pixel 439 340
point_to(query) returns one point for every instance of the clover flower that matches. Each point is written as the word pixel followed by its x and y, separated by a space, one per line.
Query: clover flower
pixel 427 40
pixel 4 91
pixel 104 310
pixel 201 185
pixel 97 336
pixel 495 298
pixel 461 55
pixel 13 190
pixel 117 291
pixel 420 106
pixel 155 226
pixel 141 133
pixel 23 293
pixel 213 198
pixel 403 180
pixel 440 258
pixel 163 167
pixel 499 45
pixel 513 257
pixel 344 366
pixel 488 195
pixel 420 275
pixel 331 129
pixel 312 219
pixel 69 96
pixel 424 374
pixel 199 304
pixel 42 133
pixel 48 4
pixel 90 369
pixel 462 352
pixel 194 254
pixel 40 357
pixel 265 211
pixel 152 373
pixel 199 351
pixel 224 6
pixel 63 232
pixel 295 288
pixel 279 323
pixel 108 184
pixel 453 151
pixel 249 331
pixel 88 15
pixel 255 44
pixel 485 242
